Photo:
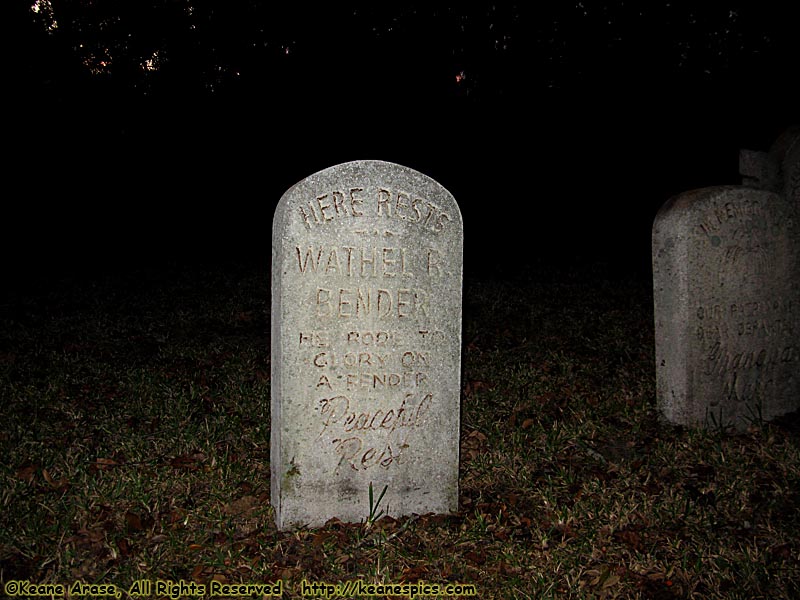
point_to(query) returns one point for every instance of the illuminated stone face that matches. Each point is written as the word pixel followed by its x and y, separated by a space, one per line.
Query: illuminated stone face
pixel 366 345
pixel 726 283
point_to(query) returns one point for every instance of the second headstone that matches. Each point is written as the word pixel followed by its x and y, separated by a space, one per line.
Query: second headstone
pixel 726 287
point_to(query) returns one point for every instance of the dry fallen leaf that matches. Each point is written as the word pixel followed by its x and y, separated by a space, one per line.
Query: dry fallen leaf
pixel 26 472
pixel 415 573
pixel 243 506
pixel 133 521
pixel 475 558
pixel 190 462
pixel 197 572
pixel 103 464
pixel 59 484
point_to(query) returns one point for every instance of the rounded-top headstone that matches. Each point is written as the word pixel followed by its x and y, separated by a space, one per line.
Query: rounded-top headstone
pixel 366 346
pixel 726 286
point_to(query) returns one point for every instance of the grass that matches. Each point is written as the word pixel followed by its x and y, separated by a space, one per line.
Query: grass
pixel 135 446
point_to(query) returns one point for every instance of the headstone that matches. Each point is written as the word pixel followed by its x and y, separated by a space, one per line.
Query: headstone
pixel 777 170
pixel 786 149
pixel 759 170
pixel 366 346
pixel 726 274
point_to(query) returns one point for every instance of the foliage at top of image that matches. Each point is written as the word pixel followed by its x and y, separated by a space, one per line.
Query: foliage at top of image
pixel 483 50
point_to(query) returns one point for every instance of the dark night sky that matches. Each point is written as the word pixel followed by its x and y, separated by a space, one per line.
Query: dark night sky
pixel 171 129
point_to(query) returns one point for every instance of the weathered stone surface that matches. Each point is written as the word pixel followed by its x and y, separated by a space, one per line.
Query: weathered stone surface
pixel 777 170
pixel 759 170
pixel 786 150
pixel 366 345
pixel 726 277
